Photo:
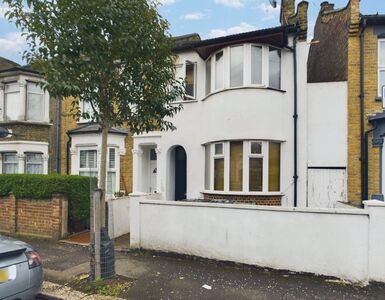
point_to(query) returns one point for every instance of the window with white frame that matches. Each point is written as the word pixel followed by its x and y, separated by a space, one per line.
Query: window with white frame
pixel 244 65
pixel 86 108
pixel 381 67
pixel 33 163
pixel 10 163
pixel 243 166
pixel 88 163
pixel 190 80
pixel 35 102
pixel 13 102
pixel 111 174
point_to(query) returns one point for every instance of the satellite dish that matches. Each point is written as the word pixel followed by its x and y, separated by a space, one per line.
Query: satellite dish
pixel 273 3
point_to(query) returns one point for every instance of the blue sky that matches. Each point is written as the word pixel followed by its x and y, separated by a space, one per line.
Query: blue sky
pixel 209 18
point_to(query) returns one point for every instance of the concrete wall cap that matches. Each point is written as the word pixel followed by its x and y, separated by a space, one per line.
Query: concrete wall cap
pixel 374 203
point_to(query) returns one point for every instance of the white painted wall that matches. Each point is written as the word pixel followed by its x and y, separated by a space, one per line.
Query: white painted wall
pixel 327 123
pixel 248 113
pixel 118 216
pixel 346 243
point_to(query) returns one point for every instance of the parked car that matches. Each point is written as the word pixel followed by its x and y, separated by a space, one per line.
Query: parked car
pixel 21 273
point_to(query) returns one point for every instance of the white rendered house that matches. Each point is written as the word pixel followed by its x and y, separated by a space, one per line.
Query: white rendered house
pixel 236 135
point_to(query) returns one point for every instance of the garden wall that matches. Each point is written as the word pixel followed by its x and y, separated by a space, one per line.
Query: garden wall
pixel 346 243
pixel 38 217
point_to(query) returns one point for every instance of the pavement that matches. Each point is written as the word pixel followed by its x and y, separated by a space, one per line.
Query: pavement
pixel 168 276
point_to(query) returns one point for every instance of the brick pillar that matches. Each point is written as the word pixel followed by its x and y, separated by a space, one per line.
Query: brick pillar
pixel 59 219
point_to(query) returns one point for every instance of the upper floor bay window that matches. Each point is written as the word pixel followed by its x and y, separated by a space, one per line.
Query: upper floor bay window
pixel 187 72
pixel 244 65
pixel 30 107
pixel 243 166
pixel 381 67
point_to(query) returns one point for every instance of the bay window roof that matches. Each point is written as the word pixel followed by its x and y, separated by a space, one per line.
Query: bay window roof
pixel 276 36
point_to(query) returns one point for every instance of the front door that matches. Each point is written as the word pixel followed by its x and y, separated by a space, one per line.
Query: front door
pixel 180 173
pixel 153 170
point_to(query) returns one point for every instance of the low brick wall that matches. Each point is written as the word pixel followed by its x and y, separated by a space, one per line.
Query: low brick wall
pixel 43 217
pixel 247 199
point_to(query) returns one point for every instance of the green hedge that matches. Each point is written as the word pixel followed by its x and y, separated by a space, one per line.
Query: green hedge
pixel 77 189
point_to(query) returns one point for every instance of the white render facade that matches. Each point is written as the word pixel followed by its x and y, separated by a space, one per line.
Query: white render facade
pixel 233 117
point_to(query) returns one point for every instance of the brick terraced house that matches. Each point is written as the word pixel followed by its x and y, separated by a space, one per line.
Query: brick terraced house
pixel 347 63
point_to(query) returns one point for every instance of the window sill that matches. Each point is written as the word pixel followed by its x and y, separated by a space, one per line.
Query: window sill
pixel 185 101
pixel 243 193
pixel 25 123
pixel 244 88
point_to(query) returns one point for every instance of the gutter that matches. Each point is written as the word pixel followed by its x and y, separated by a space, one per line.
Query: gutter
pixel 58 137
pixel 364 160
pixel 365 190
pixel 68 148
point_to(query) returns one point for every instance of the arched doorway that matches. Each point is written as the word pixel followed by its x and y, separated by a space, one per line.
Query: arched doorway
pixel 180 165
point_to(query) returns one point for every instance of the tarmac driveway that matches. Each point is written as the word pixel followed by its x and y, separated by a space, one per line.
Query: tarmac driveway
pixel 162 276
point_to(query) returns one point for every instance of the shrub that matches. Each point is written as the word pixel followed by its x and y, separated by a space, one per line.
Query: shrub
pixel 77 189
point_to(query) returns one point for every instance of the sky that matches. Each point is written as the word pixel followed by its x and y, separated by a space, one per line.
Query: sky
pixel 208 18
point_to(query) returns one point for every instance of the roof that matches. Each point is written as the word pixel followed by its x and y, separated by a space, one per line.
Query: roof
pixel 7 66
pixel 373 20
pixel 275 36
pixel 96 128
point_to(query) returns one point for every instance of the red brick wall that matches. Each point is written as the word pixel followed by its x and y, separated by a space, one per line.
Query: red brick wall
pixel 247 199
pixel 45 218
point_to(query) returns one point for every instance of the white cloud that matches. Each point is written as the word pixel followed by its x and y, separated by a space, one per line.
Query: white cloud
pixel 269 11
pixel 193 16
pixel 166 2
pixel 231 3
pixel 11 44
pixel 3 9
pixel 243 27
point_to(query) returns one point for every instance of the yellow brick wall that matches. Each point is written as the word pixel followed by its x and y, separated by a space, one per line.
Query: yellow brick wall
pixel 370 107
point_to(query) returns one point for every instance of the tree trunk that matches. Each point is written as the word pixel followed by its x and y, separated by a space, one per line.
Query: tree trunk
pixel 103 174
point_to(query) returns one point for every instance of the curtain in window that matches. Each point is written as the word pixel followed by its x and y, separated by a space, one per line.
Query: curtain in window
pixel 111 158
pixel 274 166
pixel 34 163
pixel 275 68
pixel 219 170
pixel 255 174
pixel 35 102
pixel 236 66
pixel 13 102
pixel 10 163
pixel 236 166
pixel 88 159
pixel 190 79
pixel 256 65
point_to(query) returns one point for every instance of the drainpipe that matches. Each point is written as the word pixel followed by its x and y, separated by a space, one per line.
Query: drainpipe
pixel 58 131
pixel 365 191
pixel 364 160
pixel 68 149
pixel 295 119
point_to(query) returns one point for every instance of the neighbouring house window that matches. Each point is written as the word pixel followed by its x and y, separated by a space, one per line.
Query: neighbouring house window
pixel 236 66
pixel 256 65
pixel 88 165
pixel 190 80
pixel 10 163
pixel 219 167
pixel 236 166
pixel 13 102
pixel 275 68
pixel 34 163
pixel 381 67
pixel 208 76
pixel 111 174
pixel 258 171
pixel 219 69
pixel 35 102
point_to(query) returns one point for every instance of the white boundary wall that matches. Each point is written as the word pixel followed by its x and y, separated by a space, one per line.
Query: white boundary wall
pixel 346 243
pixel 118 214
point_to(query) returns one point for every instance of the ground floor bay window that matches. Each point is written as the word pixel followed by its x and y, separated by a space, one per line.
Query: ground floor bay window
pixel 243 167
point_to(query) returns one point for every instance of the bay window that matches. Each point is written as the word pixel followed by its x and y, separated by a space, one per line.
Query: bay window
pixel 243 166
pixel 33 163
pixel 381 67
pixel 190 80
pixel 10 163
pixel 242 66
